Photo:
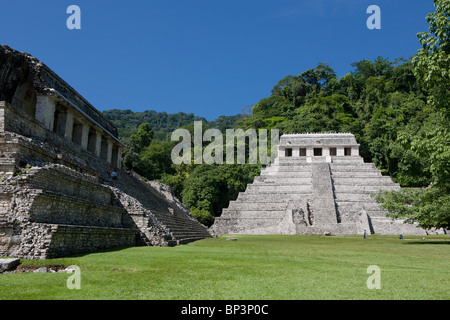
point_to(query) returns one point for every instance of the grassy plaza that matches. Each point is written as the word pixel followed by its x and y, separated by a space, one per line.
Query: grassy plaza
pixel 249 268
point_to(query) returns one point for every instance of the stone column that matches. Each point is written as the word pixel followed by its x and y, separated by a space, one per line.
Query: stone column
pixel 85 136
pixel 45 111
pixel 340 151
pixel 109 152
pixel 3 104
pixel 281 152
pixel 326 154
pixel 119 157
pixel 309 154
pixel 98 144
pixel 296 152
pixel 355 151
pixel 69 126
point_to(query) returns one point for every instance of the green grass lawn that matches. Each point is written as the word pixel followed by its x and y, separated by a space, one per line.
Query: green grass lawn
pixel 251 268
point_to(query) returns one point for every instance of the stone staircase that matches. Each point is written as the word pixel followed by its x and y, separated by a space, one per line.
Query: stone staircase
pixel 296 196
pixel 354 187
pixel 53 211
pixel 161 218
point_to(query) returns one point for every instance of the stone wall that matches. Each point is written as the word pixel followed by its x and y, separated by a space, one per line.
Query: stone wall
pixel 68 239
pixel 45 241
pixel 53 211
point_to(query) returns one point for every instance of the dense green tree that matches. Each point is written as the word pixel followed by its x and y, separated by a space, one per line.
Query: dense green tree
pixel 430 144
pixel 432 62
pixel 365 68
pixel 156 160
pixel 325 114
pixel 211 187
pixel 142 138
pixel 272 106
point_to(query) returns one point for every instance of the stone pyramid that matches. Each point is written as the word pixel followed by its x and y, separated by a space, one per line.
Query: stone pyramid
pixel 318 184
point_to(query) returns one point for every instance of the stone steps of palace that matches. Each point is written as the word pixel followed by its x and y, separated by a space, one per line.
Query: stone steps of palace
pixel 7 165
pixel 3 219
pixel 63 180
pixel 176 222
pixel 48 205
pixel 180 225
pixel 183 227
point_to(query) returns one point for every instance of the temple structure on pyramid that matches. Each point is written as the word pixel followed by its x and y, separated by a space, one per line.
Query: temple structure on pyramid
pixel 318 184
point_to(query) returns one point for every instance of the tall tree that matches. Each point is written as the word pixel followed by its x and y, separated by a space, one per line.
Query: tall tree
pixel 430 207
pixel 432 62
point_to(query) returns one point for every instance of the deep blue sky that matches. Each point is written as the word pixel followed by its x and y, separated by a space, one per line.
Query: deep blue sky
pixel 208 57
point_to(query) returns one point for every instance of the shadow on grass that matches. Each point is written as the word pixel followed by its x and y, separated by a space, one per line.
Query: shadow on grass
pixel 433 242
pixel 79 255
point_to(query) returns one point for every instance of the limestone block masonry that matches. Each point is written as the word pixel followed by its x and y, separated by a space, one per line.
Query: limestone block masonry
pixel 318 185
pixel 56 197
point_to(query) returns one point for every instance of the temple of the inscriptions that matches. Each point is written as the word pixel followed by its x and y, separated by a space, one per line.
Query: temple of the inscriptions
pixel 318 184
pixel 56 195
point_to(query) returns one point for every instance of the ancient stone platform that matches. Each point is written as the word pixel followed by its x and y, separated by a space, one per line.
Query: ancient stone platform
pixel 317 185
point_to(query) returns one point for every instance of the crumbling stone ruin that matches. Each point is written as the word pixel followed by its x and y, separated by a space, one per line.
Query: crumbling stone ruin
pixel 318 184
pixel 56 196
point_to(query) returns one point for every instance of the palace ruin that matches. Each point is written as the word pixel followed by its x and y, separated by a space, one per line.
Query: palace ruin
pixel 56 196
